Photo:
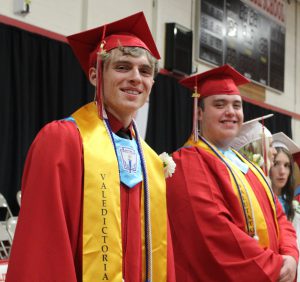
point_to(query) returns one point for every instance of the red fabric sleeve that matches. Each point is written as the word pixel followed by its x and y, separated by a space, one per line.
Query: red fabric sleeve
pixel 288 237
pixel 48 232
pixel 207 225
pixel 170 257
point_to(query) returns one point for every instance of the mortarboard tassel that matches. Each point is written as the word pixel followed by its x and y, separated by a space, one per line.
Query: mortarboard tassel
pixel 196 96
pixel 264 149
pixel 99 79
pixel 99 87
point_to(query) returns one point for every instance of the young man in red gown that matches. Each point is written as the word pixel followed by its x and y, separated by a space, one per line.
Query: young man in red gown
pixel 225 222
pixel 93 192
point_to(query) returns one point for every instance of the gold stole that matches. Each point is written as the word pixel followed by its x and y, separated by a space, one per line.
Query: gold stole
pixel 102 243
pixel 248 199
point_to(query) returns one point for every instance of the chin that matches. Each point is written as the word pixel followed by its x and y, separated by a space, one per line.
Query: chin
pixel 132 107
pixel 229 137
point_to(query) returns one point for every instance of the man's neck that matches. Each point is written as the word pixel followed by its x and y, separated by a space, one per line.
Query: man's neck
pixel 220 145
pixel 125 122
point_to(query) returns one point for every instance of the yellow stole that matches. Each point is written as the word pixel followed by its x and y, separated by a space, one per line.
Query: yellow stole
pixel 248 200
pixel 102 239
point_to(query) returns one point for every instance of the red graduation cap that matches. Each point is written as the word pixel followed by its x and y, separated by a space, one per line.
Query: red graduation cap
pixel 218 81
pixel 221 80
pixel 132 31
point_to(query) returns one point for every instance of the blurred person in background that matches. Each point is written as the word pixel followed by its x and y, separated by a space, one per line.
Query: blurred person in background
pixel 282 172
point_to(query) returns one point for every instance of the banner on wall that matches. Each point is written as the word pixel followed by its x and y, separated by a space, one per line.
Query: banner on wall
pixel 249 35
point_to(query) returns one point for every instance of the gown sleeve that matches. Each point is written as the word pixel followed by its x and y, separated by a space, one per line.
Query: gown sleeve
pixel 47 237
pixel 170 257
pixel 207 227
pixel 288 237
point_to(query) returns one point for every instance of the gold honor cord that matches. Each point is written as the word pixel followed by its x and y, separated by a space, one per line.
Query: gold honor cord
pixel 260 175
pixel 102 243
pixel 256 224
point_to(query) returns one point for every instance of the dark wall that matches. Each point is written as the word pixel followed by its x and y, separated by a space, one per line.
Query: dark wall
pixel 40 80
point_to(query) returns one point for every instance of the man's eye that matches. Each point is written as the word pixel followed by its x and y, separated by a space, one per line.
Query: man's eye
pixel 219 105
pixel 146 71
pixel 121 67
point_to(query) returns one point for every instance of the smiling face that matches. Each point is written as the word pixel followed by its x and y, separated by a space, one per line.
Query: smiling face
pixel 221 119
pixel 127 82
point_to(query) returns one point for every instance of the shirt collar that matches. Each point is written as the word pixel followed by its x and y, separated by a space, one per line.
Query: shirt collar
pixel 116 125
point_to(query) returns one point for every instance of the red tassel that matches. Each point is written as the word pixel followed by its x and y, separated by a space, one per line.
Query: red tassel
pixel 196 96
pixel 99 86
pixel 195 119
pixel 264 149
pixel 99 78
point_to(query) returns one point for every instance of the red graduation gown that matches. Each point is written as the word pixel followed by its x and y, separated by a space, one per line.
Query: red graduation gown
pixel 207 225
pixel 48 240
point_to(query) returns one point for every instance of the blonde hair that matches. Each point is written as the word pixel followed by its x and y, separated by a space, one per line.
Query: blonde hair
pixel 131 51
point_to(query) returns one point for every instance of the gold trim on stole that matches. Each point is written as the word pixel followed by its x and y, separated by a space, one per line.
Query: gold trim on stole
pixel 102 244
pixel 265 184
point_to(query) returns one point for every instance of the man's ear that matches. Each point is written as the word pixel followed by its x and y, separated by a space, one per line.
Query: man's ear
pixel 93 76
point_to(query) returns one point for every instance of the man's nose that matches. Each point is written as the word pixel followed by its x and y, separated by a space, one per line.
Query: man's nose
pixel 135 75
pixel 229 109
